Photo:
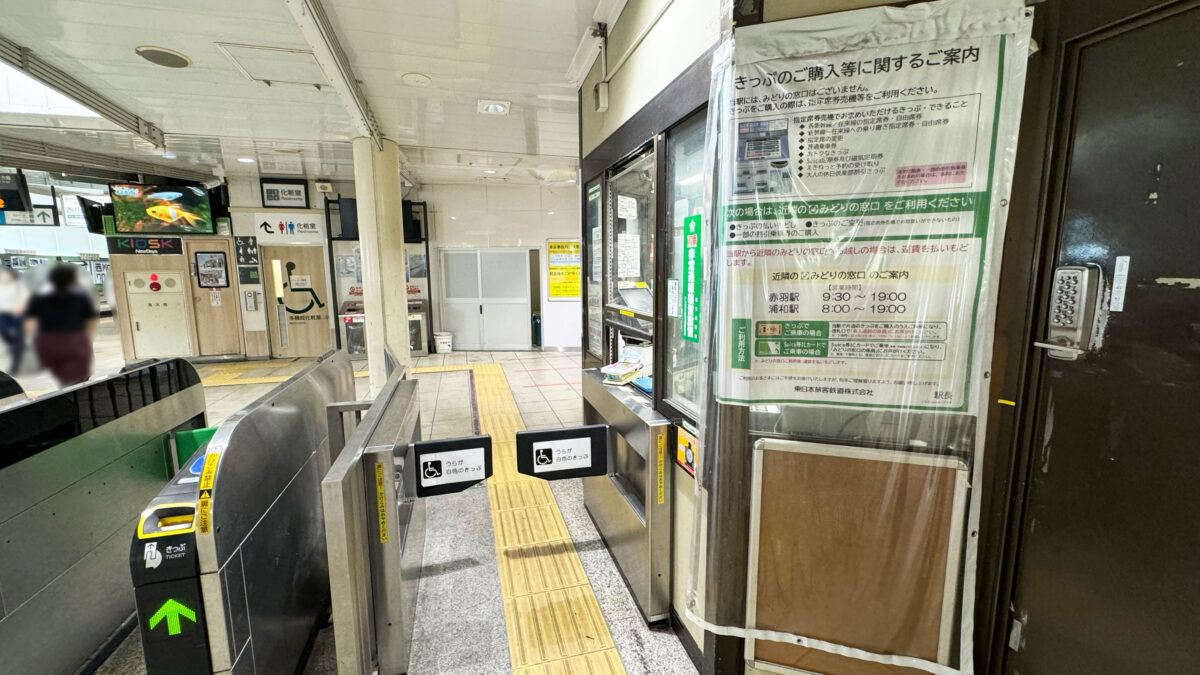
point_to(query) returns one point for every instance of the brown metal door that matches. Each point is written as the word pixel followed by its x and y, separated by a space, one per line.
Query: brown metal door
pixel 1108 570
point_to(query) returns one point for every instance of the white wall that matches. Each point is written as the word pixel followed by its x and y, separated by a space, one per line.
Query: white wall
pixel 498 215
pixel 686 29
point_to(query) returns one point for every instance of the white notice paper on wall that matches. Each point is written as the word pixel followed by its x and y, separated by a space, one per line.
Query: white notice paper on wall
pixel 1120 284
pixel 673 298
pixel 629 256
pixel 300 282
pixel 626 207
pixel 214 297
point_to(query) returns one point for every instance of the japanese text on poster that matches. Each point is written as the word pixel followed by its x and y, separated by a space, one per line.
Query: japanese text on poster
pixel 564 264
pixel 855 226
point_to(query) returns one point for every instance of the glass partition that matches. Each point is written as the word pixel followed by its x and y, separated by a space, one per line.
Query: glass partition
pixel 595 269
pixel 631 239
pixel 685 198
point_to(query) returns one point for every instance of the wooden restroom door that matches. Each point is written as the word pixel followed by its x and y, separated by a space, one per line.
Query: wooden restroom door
pixel 297 301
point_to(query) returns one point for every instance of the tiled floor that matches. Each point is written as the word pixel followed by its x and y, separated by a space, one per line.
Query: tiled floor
pixel 546 386
pixel 459 632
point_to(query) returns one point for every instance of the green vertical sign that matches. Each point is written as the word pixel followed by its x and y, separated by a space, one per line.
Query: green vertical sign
pixel 739 344
pixel 693 279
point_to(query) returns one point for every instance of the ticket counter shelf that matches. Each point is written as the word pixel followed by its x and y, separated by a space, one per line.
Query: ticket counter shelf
pixel 631 505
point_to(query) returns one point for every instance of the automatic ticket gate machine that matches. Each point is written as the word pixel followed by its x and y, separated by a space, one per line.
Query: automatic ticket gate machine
pixel 375 521
pixel 228 561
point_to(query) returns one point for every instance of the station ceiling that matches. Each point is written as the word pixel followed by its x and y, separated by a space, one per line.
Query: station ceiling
pixel 254 90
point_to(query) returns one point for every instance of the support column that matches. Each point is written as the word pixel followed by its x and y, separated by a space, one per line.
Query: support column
pixel 381 236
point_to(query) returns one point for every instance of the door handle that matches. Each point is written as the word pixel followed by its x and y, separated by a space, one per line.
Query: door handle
pixel 481 309
pixel 1073 351
pixel 137 325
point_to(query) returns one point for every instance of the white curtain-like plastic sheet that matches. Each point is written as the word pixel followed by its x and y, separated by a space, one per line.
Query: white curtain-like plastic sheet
pixel 861 165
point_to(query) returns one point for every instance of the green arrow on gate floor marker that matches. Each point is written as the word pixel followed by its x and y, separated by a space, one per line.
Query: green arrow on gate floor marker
pixel 171 610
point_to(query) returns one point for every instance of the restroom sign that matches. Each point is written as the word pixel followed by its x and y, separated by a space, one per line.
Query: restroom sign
pixel 452 465
pixel 573 452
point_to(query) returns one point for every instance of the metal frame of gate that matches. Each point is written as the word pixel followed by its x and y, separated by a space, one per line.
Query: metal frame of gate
pixel 375 530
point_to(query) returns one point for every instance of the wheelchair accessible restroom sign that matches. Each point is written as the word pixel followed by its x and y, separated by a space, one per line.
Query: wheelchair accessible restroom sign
pixel 452 465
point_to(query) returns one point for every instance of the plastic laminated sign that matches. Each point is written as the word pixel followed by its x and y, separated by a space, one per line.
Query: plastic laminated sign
pixel 861 168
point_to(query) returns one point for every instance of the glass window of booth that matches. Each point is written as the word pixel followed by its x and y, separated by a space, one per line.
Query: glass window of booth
pixel 631 215
pixel 685 197
pixel 595 270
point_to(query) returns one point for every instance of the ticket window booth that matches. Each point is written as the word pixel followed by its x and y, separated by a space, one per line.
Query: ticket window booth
pixel 634 232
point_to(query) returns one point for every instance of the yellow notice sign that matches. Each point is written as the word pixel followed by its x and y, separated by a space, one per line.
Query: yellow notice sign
pixel 381 503
pixel 662 451
pixel 209 474
pixel 563 263
pixel 204 512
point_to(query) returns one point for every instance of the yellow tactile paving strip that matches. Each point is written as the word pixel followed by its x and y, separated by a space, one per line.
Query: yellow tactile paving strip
pixel 239 373
pixel 554 623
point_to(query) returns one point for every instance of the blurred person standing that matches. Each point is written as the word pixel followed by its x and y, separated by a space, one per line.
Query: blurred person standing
pixel 64 321
pixel 13 298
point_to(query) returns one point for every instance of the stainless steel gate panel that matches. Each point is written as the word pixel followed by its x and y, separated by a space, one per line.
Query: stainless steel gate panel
pixel 375 528
pixel 631 506
pixel 76 467
pixel 265 524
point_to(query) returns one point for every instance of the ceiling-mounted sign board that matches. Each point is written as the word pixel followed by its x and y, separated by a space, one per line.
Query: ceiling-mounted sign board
pixel 554 454
pixel 39 215
pixel 272 228
pixel 452 465
pixel 284 193
pixel 14 193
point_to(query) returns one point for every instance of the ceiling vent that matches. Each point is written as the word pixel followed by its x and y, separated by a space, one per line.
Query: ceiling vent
pixel 281 164
pixel 275 65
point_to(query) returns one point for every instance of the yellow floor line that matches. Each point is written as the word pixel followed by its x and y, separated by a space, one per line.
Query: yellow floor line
pixel 227 379
pixel 553 620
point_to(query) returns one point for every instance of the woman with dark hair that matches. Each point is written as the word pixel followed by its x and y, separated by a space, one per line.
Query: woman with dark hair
pixel 64 320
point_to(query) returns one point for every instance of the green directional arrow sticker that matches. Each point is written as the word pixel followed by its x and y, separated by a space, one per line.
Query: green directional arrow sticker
pixel 172 610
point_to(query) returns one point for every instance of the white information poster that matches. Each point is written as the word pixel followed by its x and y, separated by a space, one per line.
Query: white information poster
pixel 629 256
pixel 857 229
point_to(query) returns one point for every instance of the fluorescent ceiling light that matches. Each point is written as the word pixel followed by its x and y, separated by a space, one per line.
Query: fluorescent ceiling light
pixel 487 107
pixel 168 155
pixel 691 179
pixel 246 160
pixel 490 172
pixel 571 180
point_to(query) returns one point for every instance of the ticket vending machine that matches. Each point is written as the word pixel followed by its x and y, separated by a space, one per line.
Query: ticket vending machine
pixel 763 158
pixel 158 314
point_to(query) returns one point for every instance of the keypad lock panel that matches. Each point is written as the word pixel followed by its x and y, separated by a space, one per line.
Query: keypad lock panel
pixel 1073 307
